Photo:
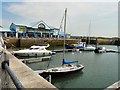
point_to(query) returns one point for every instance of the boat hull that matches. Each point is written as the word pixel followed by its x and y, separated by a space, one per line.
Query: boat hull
pixel 32 54
pixel 89 48
pixel 55 73
pixel 60 72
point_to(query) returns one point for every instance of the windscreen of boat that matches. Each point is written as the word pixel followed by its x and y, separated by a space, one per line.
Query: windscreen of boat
pixel 34 48
pixel 42 49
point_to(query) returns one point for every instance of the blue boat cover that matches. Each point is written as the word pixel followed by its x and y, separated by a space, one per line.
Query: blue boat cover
pixel 67 62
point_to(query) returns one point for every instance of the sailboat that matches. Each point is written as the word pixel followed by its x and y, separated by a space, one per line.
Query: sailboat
pixel 66 67
pixel 88 46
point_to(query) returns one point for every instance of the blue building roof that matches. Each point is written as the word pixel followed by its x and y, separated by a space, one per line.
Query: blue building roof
pixel 34 25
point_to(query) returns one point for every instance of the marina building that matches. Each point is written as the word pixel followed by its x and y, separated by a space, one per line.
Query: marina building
pixel 5 32
pixel 38 30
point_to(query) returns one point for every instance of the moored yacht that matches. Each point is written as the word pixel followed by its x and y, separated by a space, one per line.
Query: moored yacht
pixel 67 66
pixel 78 45
pixel 34 51
pixel 89 48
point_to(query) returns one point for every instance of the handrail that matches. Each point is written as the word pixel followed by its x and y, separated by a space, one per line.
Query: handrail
pixel 5 66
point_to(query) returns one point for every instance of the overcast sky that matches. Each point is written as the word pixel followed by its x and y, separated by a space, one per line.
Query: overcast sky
pixel 102 14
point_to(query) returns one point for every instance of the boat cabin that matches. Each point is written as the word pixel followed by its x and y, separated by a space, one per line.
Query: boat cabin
pixel 37 48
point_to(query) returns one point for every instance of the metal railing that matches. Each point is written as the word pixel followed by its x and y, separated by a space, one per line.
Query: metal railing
pixel 17 83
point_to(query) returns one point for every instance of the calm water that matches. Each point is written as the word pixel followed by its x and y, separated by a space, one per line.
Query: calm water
pixel 101 70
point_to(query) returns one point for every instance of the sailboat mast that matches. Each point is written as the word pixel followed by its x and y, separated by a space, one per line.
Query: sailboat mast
pixel 64 34
pixel 89 33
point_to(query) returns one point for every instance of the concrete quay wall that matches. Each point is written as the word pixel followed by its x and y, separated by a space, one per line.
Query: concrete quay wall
pixel 27 42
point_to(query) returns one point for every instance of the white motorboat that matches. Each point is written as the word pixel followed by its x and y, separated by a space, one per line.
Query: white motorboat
pixel 34 51
pixel 100 50
pixel 89 48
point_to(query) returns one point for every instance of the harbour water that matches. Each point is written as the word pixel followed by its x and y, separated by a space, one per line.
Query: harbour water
pixel 101 70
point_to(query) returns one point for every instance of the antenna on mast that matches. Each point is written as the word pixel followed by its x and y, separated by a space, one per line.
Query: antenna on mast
pixel 89 33
pixel 64 35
